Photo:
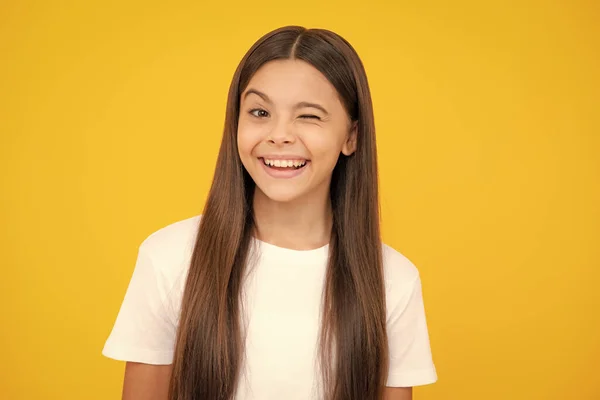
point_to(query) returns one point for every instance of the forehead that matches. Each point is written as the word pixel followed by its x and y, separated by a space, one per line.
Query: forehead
pixel 288 81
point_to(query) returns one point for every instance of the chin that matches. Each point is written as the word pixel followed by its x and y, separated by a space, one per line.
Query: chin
pixel 281 193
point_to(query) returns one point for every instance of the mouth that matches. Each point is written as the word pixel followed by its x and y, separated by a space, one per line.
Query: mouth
pixel 284 165
pixel 284 168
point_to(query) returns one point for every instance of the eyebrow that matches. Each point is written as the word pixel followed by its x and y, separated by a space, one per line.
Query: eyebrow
pixel 301 104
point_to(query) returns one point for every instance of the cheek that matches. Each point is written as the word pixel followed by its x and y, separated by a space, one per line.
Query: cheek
pixel 326 146
pixel 247 138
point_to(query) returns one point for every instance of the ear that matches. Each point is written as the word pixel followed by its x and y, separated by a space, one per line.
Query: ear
pixel 349 146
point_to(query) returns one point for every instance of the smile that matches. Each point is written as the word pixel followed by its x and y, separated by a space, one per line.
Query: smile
pixel 284 168
pixel 284 163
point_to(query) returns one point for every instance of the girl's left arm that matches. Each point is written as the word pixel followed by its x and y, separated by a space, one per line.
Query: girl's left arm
pixel 397 393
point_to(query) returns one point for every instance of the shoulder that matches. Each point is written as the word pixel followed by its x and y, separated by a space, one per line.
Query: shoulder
pixel 174 236
pixel 170 248
pixel 399 271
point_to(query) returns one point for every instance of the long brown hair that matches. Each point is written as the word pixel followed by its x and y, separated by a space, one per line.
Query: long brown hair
pixel 353 340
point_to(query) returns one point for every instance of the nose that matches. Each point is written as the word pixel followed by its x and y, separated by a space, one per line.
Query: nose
pixel 281 134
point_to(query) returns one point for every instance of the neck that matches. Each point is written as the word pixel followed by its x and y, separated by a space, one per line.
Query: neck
pixel 301 224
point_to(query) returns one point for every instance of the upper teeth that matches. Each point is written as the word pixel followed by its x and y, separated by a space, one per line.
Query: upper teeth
pixel 285 163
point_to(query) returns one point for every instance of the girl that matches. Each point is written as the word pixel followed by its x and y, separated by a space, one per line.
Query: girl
pixel 282 289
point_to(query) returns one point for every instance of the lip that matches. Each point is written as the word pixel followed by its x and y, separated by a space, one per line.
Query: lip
pixel 283 174
pixel 282 157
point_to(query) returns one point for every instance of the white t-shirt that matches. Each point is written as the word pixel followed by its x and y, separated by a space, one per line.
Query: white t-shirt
pixel 282 300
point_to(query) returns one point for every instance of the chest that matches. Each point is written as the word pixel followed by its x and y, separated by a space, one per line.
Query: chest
pixel 283 311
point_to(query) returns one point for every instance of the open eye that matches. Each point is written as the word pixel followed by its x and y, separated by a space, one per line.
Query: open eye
pixel 309 116
pixel 259 113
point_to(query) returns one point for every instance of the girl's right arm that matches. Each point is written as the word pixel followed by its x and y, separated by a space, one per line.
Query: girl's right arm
pixel 146 382
pixel 145 330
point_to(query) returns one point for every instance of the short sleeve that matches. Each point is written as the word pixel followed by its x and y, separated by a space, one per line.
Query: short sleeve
pixel 144 331
pixel 411 363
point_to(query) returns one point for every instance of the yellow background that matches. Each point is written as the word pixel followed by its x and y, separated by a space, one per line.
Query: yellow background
pixel 488 130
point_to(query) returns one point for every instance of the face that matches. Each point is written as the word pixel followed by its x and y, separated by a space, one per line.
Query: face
pixel 292 129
